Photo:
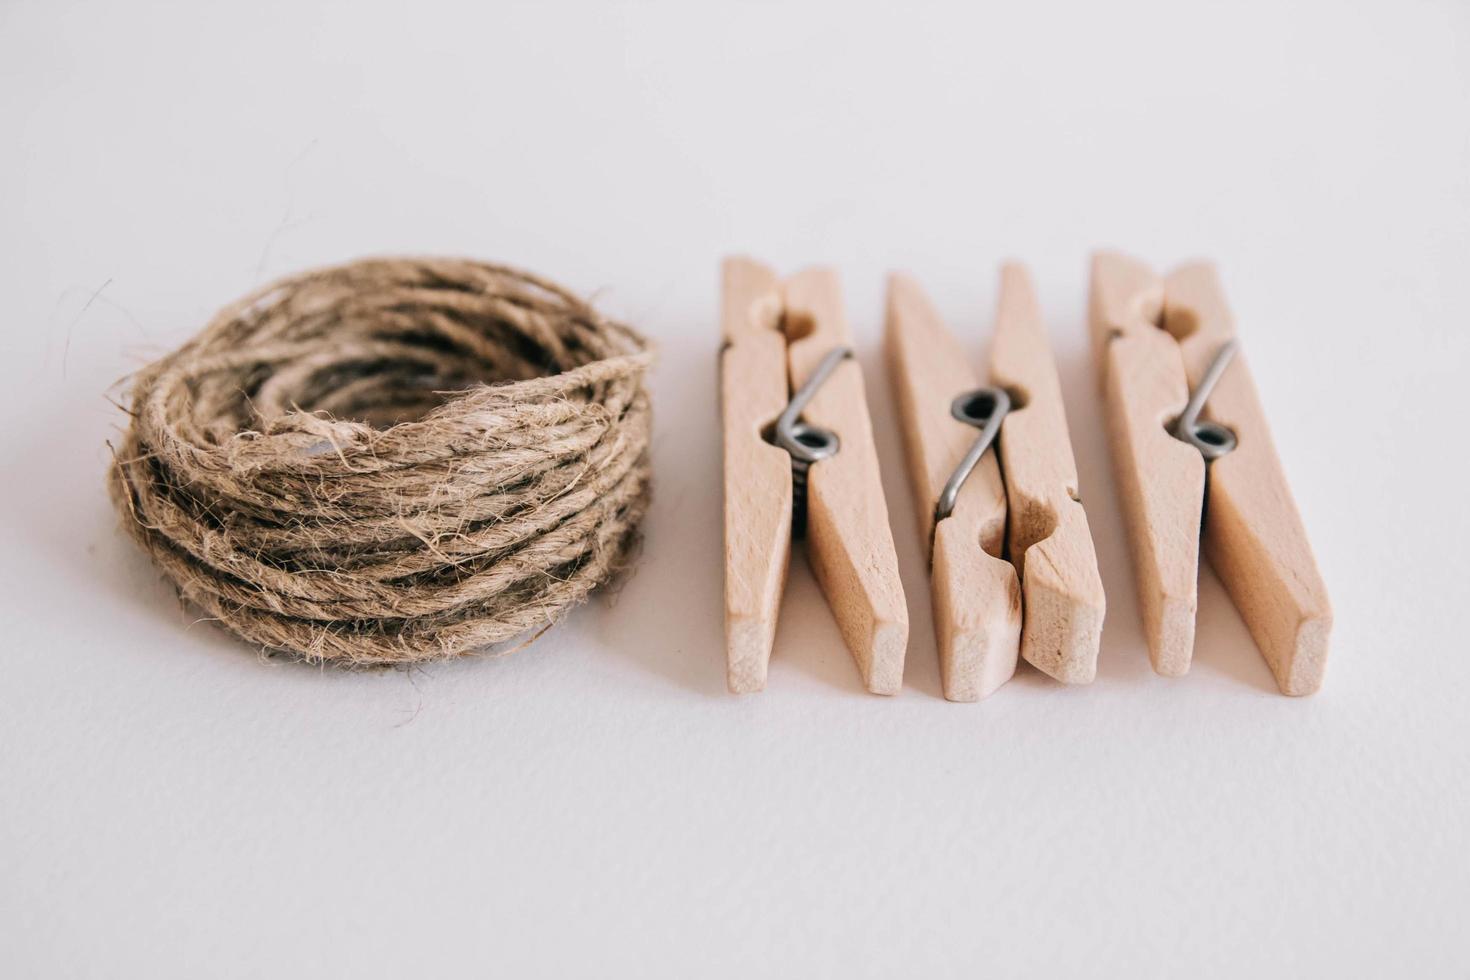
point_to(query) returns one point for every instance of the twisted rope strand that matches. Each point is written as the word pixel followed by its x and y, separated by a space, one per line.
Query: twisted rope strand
pixel 391 461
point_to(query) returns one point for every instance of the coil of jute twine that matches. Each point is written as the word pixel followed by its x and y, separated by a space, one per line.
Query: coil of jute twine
pixel 391 461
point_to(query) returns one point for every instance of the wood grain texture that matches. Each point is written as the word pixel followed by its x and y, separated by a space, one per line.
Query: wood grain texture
pixel 1050 542
pixel 1154 340
pixel 848 537
pixel 753 391
pixel 977 600
pixel 1161 481
pixel 1254 536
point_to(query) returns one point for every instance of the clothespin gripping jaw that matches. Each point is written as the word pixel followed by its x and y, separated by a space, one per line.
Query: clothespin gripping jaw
pixel 1253 532
pixel 959 496
pixel 1179 399
pixel 807 458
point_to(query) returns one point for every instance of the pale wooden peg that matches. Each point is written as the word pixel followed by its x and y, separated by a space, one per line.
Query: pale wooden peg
pixel 1253 536
pixel 977 601
pixel 848 537
pixel 1154 340
pixel 1161 481
pixel 1050 542
pixel 753 391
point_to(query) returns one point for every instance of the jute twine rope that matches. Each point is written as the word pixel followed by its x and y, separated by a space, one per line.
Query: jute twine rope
pixel 391 461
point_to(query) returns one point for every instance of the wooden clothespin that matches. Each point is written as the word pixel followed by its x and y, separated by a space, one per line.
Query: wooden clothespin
pixel 1184 418
pixel 801 463
pixel 974 518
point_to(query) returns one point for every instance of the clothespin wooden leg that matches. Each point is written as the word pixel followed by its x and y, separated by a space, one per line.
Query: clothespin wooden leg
pixel 1161 481
pixel 1050 542
pixel 757 474
pixel 848 536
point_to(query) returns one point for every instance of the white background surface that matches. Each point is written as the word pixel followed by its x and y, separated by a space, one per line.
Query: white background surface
pixel 172 806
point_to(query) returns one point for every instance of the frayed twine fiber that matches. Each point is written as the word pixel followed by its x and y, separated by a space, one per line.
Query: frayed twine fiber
pixel 391 461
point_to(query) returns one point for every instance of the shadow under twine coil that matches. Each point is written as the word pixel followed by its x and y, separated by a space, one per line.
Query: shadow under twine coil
pixel 391 461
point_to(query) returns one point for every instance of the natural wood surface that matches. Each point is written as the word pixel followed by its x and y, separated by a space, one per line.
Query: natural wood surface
pixel 848 537
pixel 1253 532
pixel 1154 340
pixel 1161 481
pixel 753 391
pixel 977 601
pixel 1050 542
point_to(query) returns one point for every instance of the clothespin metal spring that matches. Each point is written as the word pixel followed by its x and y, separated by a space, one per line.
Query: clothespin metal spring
pixel 985 408
pixel 807 443
pixel 1212 439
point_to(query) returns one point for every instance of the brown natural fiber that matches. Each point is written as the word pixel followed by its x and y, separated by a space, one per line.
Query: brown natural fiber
pixel 391 461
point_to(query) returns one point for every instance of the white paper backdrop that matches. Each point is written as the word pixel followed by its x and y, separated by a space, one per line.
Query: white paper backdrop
pixel 171 806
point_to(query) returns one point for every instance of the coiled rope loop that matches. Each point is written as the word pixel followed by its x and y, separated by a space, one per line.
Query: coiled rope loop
pixel 391 461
